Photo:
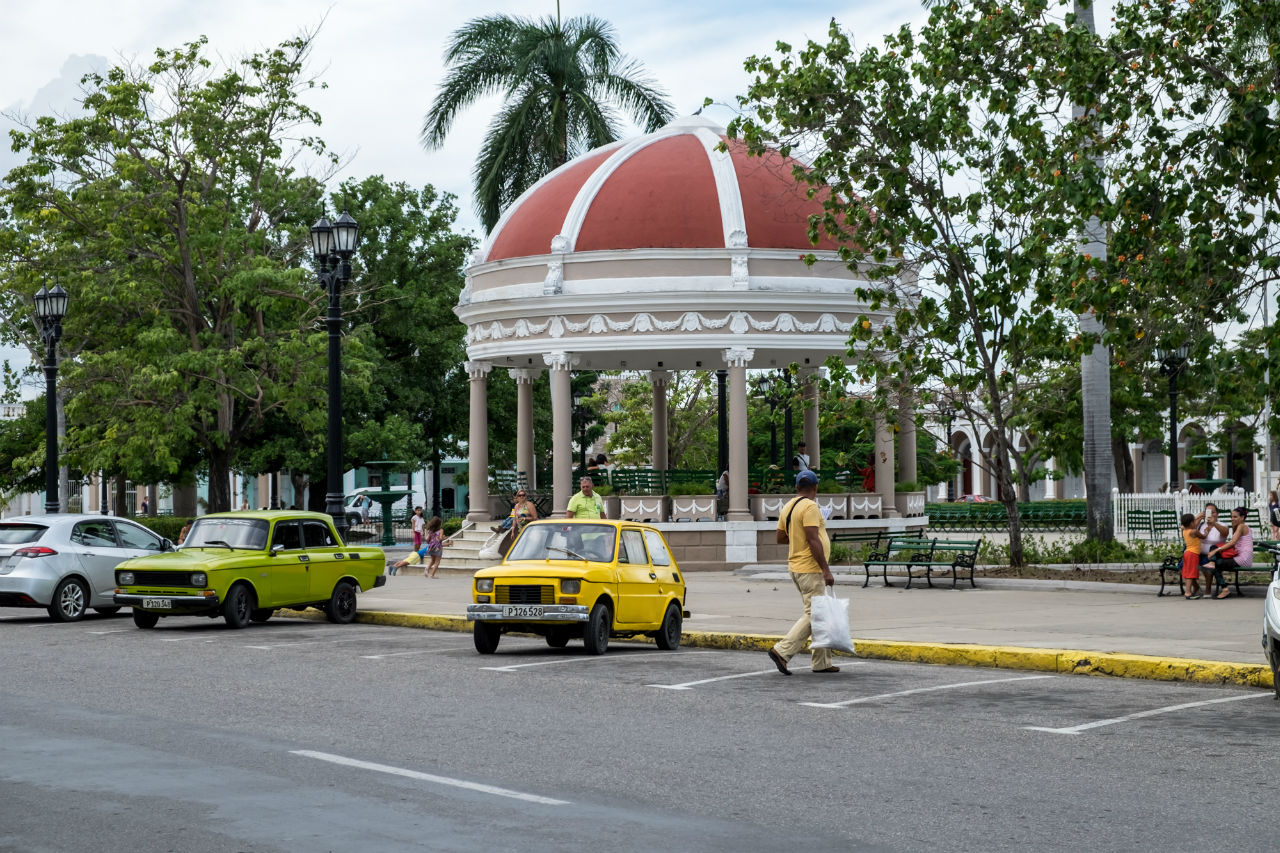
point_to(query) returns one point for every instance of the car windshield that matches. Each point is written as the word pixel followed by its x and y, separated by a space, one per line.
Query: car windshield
pixel 20 534
pixel 560 541
pixel 249 533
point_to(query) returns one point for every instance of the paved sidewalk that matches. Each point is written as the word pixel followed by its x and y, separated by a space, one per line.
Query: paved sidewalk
pixel 1125 619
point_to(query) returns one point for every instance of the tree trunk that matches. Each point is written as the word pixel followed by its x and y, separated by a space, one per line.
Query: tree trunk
pixel 118 499
pixel 219 481
pixel 1095 372
pixel 1124 464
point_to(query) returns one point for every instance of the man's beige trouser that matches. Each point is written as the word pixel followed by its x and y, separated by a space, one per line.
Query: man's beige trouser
pixel 809 584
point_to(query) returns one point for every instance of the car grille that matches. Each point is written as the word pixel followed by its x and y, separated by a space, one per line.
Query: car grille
pixel 525 594
pixel 162 578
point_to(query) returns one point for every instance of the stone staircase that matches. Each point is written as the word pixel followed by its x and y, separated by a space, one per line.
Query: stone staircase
pixel 464 553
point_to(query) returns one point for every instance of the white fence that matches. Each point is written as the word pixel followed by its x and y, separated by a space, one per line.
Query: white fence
pixel 1181 502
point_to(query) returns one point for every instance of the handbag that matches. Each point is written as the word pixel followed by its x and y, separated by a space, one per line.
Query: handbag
pixel 1228 553
pixel 829 622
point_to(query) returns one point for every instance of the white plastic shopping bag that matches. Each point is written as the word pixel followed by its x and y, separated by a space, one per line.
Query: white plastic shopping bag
pixel 492 548
pixel 829 621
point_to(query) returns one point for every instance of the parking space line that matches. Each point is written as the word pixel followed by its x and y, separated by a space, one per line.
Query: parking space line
pixel 266 647
pixel 429 777
pixel 116 631
pixel 416 652
pixel 689 685
pixel 864 699
pixel 1097 724
pixel 617 658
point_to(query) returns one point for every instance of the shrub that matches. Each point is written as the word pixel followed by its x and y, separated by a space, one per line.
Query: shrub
pixel 451 526
pixel 704 488
pixel 830 487
pixel 168 526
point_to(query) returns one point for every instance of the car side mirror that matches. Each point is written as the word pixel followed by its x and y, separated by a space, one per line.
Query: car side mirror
pixel 166 545
pixel 276 549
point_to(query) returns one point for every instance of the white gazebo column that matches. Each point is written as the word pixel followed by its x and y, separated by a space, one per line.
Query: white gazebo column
pixel 884 467
pixel 906 439
pixel 478 443
pixel 737 359
pixel 809 392
pixel 660 379
pixel 524 378
pixel 561 431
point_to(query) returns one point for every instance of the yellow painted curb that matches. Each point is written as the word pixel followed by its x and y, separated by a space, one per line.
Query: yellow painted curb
pixel 1070 661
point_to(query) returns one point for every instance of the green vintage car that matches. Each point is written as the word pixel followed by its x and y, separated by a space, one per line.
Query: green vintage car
pixel 244 565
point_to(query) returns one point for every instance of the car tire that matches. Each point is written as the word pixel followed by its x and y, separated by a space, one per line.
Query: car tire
pixel 341 607
pixel 595 634
pixel 145 620
pixel 237 608
pixel 106 611
pixel 486 637
pixel 1273 658
pixel 262 614
pixel 668 636
pixel 558 638
pixel 70 599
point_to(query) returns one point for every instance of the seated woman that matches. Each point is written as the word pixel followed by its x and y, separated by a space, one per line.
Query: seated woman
pixel 1236 552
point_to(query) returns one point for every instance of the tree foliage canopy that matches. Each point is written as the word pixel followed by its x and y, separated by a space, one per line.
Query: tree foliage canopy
pixel 560 82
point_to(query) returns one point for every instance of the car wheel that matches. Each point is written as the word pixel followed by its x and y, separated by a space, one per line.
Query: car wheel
pixel 1273 657
pixel 106 611
pixel 341 608
pixel 262 614
pixel 143 619
pixel 486 637
pixel 238 607
pixel 596 634
pixel 558 638
pixel 668 636
pixel 69 601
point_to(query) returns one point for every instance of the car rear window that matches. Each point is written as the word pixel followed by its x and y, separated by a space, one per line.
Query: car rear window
pixel 20 534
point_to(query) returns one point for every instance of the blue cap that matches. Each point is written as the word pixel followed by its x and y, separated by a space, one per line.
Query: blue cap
pixel 806 478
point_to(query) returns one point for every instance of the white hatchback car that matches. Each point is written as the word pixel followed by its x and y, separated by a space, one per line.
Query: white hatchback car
pixel 65 563
pixel 1271 624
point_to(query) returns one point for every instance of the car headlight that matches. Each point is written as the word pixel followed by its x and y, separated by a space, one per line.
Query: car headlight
pixel 124 578
pixel 570 587
pixel 199 579
pixel 484 585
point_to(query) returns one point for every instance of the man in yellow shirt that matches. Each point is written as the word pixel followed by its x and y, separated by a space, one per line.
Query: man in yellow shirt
pixel 586 503
pixel 802 527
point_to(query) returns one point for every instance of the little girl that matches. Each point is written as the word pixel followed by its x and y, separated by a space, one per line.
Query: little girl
pixel 416 523
pixel 435 545
pixel 1191 556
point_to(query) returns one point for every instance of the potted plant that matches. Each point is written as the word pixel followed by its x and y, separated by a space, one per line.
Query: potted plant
pixel 692 501
pixel 773 494
pixel 908 499
pixel 612 505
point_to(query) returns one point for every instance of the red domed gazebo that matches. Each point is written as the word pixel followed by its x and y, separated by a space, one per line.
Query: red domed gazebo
pixel 659 253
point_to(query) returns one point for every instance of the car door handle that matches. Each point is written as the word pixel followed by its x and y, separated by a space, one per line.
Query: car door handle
pixel 652 576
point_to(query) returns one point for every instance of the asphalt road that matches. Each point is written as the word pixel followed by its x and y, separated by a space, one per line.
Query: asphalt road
pixel 307 736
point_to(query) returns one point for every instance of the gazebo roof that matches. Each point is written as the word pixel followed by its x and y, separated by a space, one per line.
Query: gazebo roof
pixel 671 189
pixel 660 252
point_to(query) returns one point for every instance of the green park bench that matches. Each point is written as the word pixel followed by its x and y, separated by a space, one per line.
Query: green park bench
pixel 927 554
pixel 872 544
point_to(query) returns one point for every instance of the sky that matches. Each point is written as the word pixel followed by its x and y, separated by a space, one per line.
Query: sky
pixel 383 61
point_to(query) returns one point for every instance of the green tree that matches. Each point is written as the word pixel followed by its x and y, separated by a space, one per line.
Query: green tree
pixel 691 421
pixel 560 82
pixel 22 451
pixel 171 210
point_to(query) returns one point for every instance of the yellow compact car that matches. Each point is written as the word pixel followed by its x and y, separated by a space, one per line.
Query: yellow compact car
pixel 588 578
pixel 244 565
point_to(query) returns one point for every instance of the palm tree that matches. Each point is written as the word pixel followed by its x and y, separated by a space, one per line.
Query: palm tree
pixel 1095 370
pixel 561 83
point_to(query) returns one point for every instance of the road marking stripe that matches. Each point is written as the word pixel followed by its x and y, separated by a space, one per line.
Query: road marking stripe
pixel 593 658
pixel 689 685
pixel 1096 724
pixel 428 777
pixel 416 652
pixel 864 699
pixel 116 631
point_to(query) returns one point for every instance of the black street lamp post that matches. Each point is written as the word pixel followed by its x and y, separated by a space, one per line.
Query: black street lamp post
pixel 332 245
pixel 51 307
pixel 771 394
pixel 952 411
pixel 1172 362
